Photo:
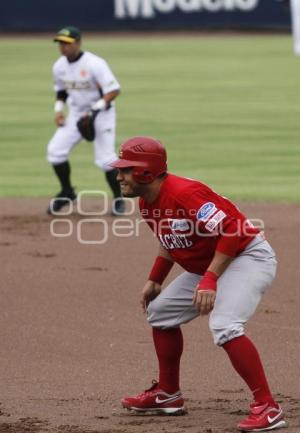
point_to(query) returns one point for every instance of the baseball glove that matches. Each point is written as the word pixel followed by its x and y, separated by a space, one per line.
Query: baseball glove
pixel 86 126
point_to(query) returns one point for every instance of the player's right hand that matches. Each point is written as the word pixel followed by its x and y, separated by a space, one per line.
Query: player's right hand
pixel 59 118
pixel 149 292
pixel 204 300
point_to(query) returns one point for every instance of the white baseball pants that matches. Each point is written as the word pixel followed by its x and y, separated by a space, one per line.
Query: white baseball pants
pixel 67 137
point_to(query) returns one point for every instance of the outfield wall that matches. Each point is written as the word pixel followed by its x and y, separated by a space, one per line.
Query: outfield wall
pixel 97 15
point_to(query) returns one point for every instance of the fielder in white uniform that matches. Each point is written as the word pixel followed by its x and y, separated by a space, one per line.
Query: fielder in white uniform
pixel 83 81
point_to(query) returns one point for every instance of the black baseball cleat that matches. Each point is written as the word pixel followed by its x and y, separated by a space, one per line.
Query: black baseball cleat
pixel 118 207
pixel 60 200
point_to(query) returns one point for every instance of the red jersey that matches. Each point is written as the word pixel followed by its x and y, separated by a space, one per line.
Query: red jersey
pixel 189 218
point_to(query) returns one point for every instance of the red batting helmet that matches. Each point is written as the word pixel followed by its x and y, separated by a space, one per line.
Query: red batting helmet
pixel 145 155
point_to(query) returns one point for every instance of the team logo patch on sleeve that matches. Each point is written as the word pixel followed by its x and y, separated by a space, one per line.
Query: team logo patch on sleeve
pixel 205 211
pixel 215 220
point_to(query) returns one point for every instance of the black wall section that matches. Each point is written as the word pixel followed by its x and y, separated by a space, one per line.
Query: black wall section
pixel 98 15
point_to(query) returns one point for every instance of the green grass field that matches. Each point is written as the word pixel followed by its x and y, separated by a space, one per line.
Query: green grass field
pixel 226 107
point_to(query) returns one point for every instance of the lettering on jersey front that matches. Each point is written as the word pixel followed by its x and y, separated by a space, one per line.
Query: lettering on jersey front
pixel 77 85
pixel 172 241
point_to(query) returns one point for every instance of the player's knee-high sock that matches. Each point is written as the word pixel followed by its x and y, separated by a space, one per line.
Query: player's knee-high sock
pixel 63 172
pixel 111 177
pixel 168 345
pixel 246 361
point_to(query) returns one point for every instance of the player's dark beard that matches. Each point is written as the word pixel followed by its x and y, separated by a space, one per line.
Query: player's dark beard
pixel 129 195
pixel 137 191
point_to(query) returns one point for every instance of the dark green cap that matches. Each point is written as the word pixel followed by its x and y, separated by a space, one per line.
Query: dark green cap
pixel 68 34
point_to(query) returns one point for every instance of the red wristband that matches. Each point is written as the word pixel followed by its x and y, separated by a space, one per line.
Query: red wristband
pixel 160 269
pixel 208 281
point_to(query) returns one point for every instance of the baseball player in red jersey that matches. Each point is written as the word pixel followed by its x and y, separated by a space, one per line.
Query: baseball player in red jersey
pixel 227 267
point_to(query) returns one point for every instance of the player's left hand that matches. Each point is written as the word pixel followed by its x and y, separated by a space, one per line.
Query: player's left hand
pixel 204 300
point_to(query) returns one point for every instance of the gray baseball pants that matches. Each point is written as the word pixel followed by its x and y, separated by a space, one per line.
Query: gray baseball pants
pixel 239 291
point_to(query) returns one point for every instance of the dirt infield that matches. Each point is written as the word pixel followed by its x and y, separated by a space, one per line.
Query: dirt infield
pixel 74 340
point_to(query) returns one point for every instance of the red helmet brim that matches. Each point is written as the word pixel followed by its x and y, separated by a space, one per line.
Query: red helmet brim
pixel 126 163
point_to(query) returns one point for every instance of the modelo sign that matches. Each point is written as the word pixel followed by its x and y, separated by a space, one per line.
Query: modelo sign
pixel 37 15
pixel 149 8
